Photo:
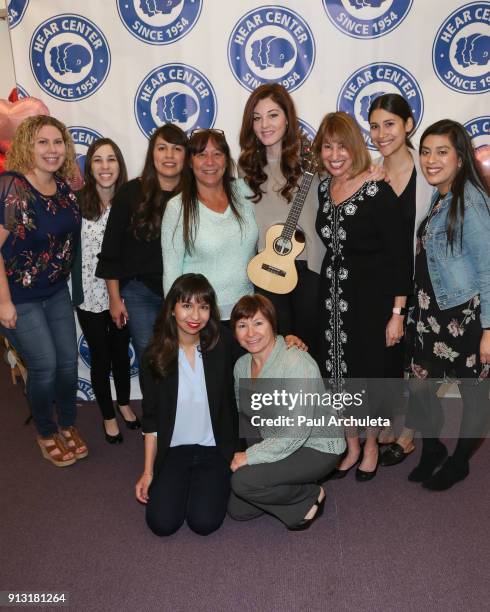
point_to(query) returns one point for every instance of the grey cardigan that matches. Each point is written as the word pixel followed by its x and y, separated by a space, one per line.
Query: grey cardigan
pixel 286 364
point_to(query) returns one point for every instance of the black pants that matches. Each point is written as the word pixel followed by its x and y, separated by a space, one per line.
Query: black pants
pixel 297 312
pixel 108 351
pixel 287 489
pixel 193 485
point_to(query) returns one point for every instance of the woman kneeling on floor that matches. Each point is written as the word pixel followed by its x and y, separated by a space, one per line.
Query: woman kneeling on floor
pixel 189 412
pixel 279 474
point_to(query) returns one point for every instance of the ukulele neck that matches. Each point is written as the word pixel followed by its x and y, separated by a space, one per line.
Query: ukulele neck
pixel 297 206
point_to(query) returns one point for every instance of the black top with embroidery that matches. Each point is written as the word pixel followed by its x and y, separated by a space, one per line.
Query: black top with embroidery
pixel 44 234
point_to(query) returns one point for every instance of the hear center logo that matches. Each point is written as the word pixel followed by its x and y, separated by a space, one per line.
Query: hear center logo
pixel 307 130
pixel 21 92
pixel 271 44
pixel 15 11
pixel 461 50
pixel 367 18
pixel 84 353
pixel 159 22
pixel 479 131
pixel 85 391
pixel 70 57
pixel 373 80
pixel 82 137
pixel 175 93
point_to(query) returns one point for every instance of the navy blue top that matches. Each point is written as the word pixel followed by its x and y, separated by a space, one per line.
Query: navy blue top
pixel 43 238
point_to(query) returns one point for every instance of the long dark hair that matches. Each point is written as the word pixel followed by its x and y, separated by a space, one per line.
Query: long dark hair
pixel 89 199
pixel 161 355
pixel 253 157
pixel 147 217
pixel 467 171
pixel 396 105
pixel 190 199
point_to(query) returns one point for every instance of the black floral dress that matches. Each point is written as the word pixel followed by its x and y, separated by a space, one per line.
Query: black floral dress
pixel 367 263
pixel 442 344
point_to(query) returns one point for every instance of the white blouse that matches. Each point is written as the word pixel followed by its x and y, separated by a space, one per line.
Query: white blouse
pixel 192 419
pixel 95 296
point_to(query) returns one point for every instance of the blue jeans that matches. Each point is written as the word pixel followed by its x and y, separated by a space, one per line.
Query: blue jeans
pixel 143 306
pixel 45 337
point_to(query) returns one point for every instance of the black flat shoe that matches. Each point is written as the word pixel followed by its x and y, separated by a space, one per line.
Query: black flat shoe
pixel 117 439
pixel 338 474
pixel 394 455
pixel 129 424
pixel 306 523
pixel 363 476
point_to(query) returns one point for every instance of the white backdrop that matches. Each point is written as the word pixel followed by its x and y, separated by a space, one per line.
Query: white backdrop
pixel 120 68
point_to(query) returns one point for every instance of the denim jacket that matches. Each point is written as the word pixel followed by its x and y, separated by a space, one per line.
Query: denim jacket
pixel 460 274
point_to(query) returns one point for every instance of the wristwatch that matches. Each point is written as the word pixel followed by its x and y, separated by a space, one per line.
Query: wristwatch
pixel 400 310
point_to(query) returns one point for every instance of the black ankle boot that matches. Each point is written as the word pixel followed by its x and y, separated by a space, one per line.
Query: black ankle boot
pixel 433 454
pixel 450 473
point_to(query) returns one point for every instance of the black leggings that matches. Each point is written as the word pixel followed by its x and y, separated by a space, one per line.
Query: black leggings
pixel 425 413
pixel 297 312
pixel 108 351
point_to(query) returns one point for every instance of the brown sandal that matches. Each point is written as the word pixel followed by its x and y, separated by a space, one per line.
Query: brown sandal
pixel 55 442
pixel 74 442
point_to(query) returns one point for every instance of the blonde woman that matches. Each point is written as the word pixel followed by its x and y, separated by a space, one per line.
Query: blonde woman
pixel 39 234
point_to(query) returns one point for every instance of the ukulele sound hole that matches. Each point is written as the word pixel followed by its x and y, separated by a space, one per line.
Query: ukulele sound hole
pixel 282 246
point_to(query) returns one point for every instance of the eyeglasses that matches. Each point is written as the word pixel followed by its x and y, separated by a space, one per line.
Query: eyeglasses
pixel 208 130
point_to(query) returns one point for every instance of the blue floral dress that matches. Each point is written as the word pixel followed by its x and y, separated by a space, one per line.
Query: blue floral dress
pixel 441 343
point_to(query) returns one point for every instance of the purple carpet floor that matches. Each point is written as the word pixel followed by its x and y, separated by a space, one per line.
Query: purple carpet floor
pixel 383 545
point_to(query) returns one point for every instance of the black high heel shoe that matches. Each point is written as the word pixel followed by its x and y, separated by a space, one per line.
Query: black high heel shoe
pixel 117 439
pixel 306 523
pixel 129 424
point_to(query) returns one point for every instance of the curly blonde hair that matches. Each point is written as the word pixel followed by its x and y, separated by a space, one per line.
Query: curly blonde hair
pixel 20 157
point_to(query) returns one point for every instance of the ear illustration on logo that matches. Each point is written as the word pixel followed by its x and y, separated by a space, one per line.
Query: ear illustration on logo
pixel 271 44
pixel 159 22
pixel 70 57
pixel 175 93
pixel 179 107
pixel 367 18
pixel 461 49
pixel 371 81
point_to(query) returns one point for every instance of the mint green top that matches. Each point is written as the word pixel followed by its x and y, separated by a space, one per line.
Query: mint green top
pixel 284 364
pixel 222 248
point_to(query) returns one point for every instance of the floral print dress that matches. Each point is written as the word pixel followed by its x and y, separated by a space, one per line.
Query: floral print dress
pixel 441 343
pixel 96 297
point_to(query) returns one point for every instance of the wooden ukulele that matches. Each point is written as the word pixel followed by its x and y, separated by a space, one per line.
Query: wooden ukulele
pixel 273 269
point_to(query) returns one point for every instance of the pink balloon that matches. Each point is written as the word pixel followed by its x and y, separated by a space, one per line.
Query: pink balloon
pixel 76 181
pixel 482 155
pixel 12 114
